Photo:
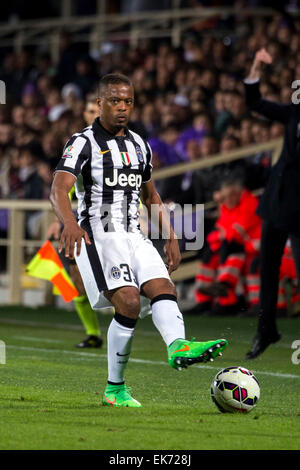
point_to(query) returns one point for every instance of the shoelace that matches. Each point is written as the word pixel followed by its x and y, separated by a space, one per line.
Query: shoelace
pixel 126 390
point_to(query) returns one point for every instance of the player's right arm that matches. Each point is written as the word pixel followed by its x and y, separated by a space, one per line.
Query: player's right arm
pixel 72 233
pixel 274 111
pixel 55 227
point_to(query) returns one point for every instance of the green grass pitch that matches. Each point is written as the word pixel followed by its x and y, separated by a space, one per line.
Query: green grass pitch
pixel 50 392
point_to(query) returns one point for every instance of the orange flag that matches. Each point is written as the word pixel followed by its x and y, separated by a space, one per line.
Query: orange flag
pixel 47 265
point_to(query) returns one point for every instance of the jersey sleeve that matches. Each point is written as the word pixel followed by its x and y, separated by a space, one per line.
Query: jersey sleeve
pixel 75 154
pixel 148 168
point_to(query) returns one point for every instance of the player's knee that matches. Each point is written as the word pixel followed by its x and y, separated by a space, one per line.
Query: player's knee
pixel 130 305
pixel 172 289
pixel 156 287
pixel 168 288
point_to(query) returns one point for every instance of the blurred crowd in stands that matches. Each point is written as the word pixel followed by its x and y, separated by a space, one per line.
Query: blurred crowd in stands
pixel 189 104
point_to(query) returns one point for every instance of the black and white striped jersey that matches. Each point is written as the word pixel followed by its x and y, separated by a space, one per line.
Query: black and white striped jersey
pixel 110 171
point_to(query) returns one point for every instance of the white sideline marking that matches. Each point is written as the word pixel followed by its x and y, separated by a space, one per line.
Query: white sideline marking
pixel 143 361
pixel 66 326
pixel 60 326
pixel 38 339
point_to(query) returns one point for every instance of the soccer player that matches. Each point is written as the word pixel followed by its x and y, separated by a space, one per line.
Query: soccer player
pixel 87 315
pixel 112 168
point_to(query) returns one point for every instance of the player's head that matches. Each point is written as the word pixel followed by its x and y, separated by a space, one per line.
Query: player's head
pixel 91 111
pixel 115 101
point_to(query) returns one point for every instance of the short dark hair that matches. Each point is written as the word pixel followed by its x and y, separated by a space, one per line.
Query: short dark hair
pixel 113 79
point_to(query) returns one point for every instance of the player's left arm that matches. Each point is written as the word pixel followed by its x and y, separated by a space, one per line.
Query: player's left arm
pixel 153 202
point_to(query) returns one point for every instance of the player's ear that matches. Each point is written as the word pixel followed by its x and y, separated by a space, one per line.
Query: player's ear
pixel 98 101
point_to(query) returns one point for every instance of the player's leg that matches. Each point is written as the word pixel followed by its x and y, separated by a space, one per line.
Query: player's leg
pixel 169 321
pixel 87 315
pixel 126 301
pixel 105 267
pixel 273 242
pixel 163 297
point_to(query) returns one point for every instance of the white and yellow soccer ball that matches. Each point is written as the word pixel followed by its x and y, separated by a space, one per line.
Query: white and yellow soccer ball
pixel 235 389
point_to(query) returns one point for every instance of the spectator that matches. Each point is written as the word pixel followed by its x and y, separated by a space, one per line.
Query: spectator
pixel 55 105
pixel 246 137
pixel 223 115
pixel 28 174
pixel 18 116
pixel 202 126
pixel 85 77
pixel 91 111
pixel 236 105
pixel 206 180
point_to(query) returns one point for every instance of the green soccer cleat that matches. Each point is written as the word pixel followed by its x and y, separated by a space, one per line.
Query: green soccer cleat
pixel 183 353
pixel 119 395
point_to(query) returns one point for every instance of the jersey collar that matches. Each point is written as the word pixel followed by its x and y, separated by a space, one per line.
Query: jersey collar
pixel 98 129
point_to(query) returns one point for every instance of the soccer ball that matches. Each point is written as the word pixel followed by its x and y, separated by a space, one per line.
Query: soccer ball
pixel 235 389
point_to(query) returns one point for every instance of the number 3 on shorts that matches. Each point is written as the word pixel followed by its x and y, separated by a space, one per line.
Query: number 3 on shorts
pixel 126 272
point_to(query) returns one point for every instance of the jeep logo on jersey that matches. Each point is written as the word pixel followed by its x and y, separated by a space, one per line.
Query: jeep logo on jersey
pixel 122 179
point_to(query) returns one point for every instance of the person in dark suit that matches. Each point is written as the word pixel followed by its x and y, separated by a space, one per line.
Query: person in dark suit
pixel 279 206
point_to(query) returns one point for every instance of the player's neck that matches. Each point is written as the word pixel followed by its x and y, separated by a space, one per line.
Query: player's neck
pixel 116 131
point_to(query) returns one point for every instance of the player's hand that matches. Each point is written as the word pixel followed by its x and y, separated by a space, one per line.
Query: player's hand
pixel 71 234
pixel 173 254
pixel 54 230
